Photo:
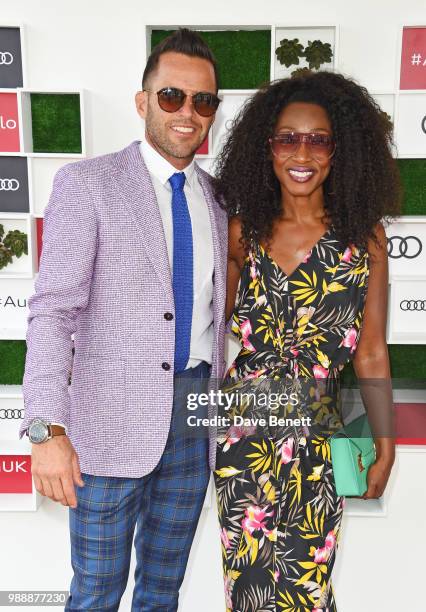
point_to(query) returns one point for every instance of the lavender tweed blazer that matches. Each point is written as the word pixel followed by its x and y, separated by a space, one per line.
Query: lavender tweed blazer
pixel 104 276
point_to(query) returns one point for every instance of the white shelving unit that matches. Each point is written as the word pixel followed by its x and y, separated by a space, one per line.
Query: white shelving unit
pixel 26 266
pixel 407 278
pixel 17 279
pixel 304 33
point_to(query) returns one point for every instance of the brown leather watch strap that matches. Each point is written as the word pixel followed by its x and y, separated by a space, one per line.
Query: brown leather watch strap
pixel 57 430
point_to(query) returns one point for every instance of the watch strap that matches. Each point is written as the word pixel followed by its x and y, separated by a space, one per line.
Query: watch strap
pixel 56 430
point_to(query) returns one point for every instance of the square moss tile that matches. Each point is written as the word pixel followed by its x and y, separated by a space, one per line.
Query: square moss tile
pixel 56 123
pixel 413 176
pixel 12 361
pixel 243 56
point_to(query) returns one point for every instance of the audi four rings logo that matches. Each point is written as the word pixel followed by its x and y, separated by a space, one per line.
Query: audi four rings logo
pixel 408 247
pixel 9 184
pixel 413 305
pixel 11 413
pixel 6 58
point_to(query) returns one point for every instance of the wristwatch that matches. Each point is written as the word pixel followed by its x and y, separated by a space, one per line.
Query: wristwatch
pixel 39 431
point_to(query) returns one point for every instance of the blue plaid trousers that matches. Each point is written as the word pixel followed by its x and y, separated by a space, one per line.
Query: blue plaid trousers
pixel 164 505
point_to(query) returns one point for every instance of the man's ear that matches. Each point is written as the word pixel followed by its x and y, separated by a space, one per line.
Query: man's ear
pixel 141 101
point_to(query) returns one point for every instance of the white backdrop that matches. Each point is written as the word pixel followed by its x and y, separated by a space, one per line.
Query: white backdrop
pixel 100 46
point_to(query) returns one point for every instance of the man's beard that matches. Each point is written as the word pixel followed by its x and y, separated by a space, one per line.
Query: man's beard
pixel 165 145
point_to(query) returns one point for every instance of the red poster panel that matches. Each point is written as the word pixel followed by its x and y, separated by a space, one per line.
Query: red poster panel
pixel 15 474
pixel 203 149
pixel 413 58
pixel 410 423
pixel 9 125
pixel 39 229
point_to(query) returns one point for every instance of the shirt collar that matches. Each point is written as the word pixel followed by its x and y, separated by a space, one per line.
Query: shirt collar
pixel 159 167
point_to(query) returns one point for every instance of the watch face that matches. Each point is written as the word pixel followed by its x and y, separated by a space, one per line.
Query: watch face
pixel 38 432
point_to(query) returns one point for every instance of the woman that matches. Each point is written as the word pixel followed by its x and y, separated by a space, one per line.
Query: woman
pixel 307 175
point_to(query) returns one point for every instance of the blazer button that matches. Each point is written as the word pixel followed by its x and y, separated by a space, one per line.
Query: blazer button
pixel 168 316
pixel 165 365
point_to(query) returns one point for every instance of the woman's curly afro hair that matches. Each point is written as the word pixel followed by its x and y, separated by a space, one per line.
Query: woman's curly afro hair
pixel 363 185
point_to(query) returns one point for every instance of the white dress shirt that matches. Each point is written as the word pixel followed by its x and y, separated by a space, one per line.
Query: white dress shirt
pixel 202 315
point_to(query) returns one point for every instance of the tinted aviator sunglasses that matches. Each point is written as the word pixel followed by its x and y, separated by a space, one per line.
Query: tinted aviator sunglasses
pixel 320 146
pixel 171 99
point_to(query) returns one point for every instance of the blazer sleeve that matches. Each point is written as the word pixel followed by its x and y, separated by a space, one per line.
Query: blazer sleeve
pixel 62 290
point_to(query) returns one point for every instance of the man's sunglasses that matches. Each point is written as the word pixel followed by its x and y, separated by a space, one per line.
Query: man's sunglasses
pixel 171 99
pixel 320 146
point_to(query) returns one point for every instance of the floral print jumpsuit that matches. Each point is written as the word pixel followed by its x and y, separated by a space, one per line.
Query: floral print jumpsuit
pixel 279 512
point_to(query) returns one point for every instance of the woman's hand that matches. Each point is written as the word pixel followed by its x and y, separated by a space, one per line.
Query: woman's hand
pixel 377 477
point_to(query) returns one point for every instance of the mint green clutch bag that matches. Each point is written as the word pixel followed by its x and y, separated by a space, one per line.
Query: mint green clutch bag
pixel 352 452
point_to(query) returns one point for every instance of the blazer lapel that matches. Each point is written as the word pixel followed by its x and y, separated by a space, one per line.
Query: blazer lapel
pixel 134 182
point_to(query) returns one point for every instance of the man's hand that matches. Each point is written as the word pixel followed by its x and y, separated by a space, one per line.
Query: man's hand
pixel 55 469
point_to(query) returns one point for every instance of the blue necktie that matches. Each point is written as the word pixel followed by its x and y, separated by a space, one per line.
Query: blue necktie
pixel 182 271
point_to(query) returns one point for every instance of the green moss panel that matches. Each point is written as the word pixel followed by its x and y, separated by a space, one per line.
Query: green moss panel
pixel 243 56
pixel 408 366
pixel 12 361
pixel 413 176
pixel 56 123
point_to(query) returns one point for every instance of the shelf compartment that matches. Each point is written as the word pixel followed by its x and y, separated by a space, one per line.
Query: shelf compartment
pixel 53 123
pixel 14 294
pixel 14 185
pixel 11 68
pixel 24 266
pixel 304 33
pixel 10 134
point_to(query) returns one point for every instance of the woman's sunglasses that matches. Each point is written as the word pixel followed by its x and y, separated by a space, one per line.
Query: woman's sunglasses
pixel 320 146
pixel 171 99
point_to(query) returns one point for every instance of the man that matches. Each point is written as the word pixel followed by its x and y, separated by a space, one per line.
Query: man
pixel 133 264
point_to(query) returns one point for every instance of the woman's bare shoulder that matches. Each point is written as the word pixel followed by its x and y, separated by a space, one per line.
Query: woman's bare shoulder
pixel 236 249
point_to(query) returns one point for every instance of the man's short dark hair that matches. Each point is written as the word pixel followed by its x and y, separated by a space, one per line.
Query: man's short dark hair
pixel 184 41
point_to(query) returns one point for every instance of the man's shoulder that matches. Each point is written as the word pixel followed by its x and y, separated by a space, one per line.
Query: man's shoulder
pixel 99 165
